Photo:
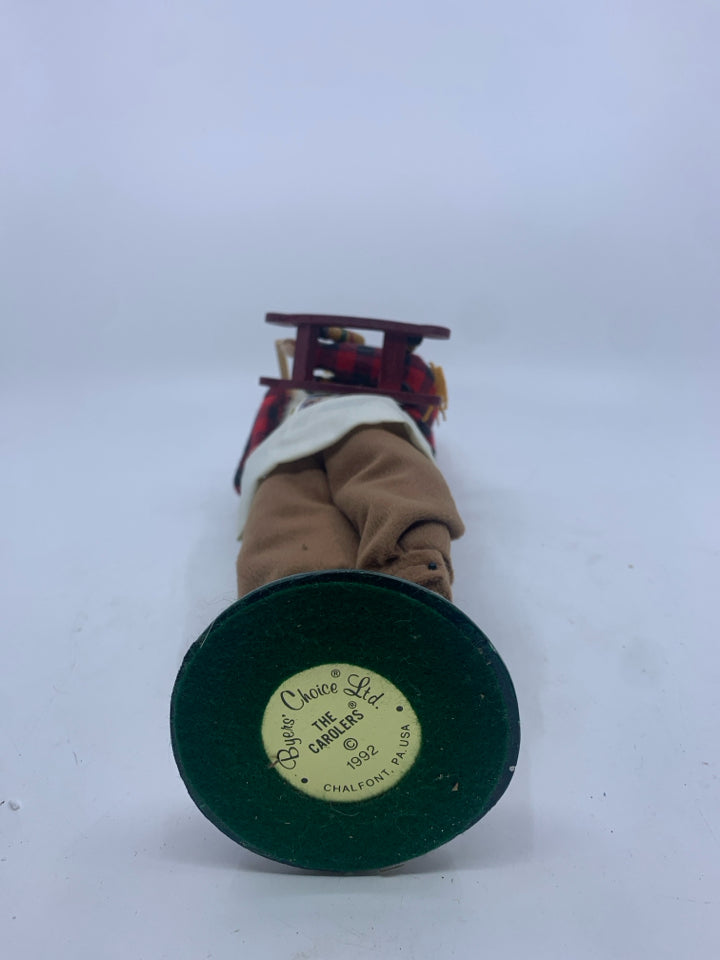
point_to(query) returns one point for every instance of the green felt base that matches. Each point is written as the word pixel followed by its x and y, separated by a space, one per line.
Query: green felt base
pixel 444 666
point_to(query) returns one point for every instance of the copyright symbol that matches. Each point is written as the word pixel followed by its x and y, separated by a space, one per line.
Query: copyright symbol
pixel 350 744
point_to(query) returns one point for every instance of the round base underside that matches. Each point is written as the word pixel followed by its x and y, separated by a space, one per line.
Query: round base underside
pixel 344 721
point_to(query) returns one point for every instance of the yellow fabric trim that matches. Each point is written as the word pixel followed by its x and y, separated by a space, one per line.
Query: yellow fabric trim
pixel 441 385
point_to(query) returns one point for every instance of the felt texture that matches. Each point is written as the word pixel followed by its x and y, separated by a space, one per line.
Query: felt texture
pixel 446 667
pixel 371 501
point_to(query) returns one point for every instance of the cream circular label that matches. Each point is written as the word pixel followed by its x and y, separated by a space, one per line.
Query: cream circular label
pixel 341 733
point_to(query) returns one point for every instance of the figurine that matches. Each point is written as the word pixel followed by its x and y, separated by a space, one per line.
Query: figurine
pixel 343 714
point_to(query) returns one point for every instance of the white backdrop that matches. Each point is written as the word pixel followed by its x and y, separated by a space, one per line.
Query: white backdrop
pixel 542 178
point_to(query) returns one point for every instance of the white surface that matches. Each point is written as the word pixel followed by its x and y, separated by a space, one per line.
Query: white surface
pixel 540 177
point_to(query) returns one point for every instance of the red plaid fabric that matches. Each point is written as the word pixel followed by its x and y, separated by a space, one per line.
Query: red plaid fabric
pixel 352 364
